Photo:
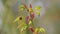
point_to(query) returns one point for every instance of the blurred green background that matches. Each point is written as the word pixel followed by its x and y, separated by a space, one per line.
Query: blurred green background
pixel 49 17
